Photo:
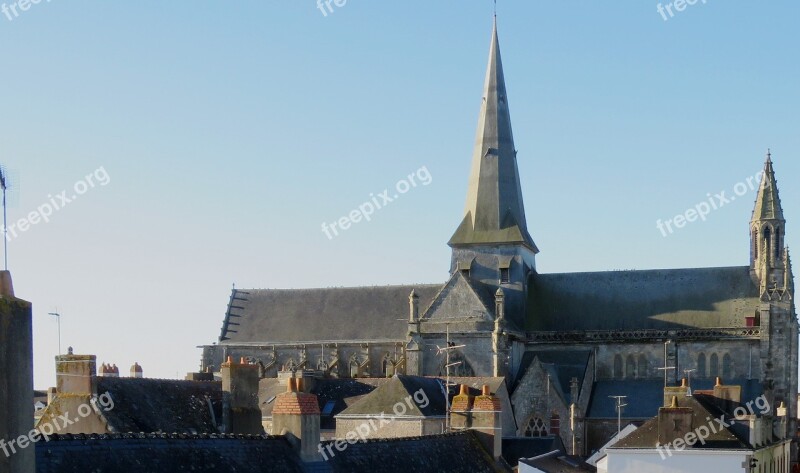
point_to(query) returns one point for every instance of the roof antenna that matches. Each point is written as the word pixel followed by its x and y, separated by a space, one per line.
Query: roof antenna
pixel 4 186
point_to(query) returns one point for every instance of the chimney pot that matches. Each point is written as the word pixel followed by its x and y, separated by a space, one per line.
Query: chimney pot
pixel 464 391
pixel 486 391
pixel 291 386
pixel 719 381
pixel 242 361
pixel 683 382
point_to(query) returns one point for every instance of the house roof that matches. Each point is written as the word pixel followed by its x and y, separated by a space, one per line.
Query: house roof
pixel 735 436
pixel 563 365
pixel 516 448
pixel 631 300
pixel 557 462
pixel 333 314
pixel 448 453
pixel 397 391
pixel 166 453
pixel 162 405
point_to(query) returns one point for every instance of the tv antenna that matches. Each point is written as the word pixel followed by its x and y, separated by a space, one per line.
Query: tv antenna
pixel 620 405
pixel 689 381
pixel 4 183
pixel 57 315
pixel 449 346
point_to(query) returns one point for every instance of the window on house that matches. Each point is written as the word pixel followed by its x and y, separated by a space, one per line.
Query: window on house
pixel 504 276
pixel 555 425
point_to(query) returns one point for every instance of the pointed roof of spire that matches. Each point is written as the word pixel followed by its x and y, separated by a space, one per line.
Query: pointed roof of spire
pixel 768 202
pixel 494 211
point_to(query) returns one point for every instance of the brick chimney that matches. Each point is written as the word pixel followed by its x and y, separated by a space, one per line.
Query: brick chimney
pixel 296 415
pixel 727 393
pixel 75 373
pixel 461 410
pixel 16 366
pixel 136 371
pixel 109 371
pixel 674 422
pixel 485 419
pixel 240 413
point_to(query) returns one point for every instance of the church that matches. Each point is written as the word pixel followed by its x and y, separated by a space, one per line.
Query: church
pixel 565 343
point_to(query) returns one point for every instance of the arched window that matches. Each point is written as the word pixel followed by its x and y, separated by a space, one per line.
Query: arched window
pixel 755 244
pixel 618 367
pixel 630 367
pixel 727 367
pixel 701 365
pixel 555 424
pixel 767 239
pixel 777 243
pixel 714 365
pixel 642 368
pixel 536 428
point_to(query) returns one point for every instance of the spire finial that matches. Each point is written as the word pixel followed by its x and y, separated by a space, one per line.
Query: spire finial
pixel 495 9
pixel 769 155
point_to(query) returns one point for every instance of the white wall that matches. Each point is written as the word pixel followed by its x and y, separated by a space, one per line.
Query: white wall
pixel 651 462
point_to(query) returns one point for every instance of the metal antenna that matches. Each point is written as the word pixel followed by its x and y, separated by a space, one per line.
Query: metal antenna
pixel 58 317
pixel 446 351
pixel 4 185
pixel 666 368
pixel 689 381
pixel 620 405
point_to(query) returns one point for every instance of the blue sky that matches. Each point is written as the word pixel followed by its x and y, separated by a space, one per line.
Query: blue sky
pixel 231 131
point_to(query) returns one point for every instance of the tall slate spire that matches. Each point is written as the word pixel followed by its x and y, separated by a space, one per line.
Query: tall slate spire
pixel 494 213
pixel 768 202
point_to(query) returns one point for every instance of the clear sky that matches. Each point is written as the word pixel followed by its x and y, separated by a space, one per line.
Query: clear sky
pixel 228 132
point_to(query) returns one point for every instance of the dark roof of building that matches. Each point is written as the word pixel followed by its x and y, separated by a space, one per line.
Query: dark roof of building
pixel 735 436
pixel 397 391
pixel 333 395
pixel 631 300
pixel 346 313
pixel 563 365
pixel 162 453
pixel 516 448
pixel 558 462
pixel 162 405
pixel 447 453
pixel 644 397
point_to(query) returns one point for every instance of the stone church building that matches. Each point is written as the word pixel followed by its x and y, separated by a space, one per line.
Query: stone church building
pixel 565 342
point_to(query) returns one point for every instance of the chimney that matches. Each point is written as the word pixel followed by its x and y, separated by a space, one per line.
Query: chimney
pixel 727 393
pixel 241 414
pixel 136 371
pixel 460 409
pixel 413 307
pixel 674 422
pixel 109 371
pixel 75 373
pixel 675 391
pixel 16 366
pixel 486 420
pixel 296 416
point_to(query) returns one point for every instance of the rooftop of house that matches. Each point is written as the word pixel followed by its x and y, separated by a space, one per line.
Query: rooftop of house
pixel 396 391
pixel 517 448
pixel 558 462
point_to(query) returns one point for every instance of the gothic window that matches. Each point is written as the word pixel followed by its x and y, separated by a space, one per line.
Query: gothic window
pixel 642 368
pixel 701 365
pixel 727 367
pixel 536 428
pixel 617 366
pixel 714 365
pixel 767 239
pixel 630 367
pixel 755 244
pixel 777 243
pixel 555 424
pixel 504 276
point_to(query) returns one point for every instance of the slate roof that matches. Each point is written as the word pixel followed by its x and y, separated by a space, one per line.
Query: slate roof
pixel 735 436
pixel 654 299
pixel 557 462
pixel 137 453
pixel 162 405
pixel 447 453
pixel 646 396
pixel 516 448
pixel 400 387
pixel 563 365
pixel 333 314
